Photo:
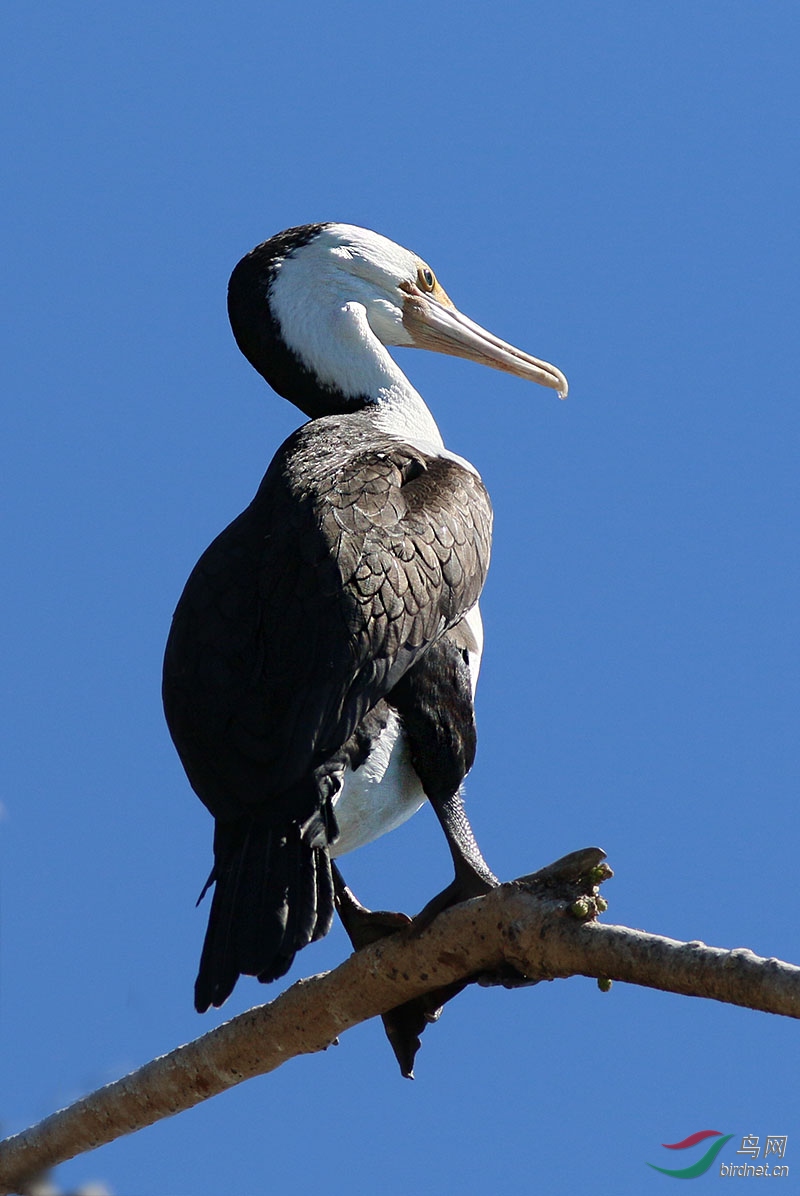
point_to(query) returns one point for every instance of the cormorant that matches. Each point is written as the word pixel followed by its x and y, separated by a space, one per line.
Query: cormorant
pixel 321 666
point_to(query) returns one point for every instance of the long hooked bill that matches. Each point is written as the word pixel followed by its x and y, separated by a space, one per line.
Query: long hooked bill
pixel 433 325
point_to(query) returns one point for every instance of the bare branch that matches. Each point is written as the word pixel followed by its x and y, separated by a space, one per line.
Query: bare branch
pixel 526 925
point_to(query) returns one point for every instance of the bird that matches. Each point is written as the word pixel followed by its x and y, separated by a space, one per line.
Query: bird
pixel 320 670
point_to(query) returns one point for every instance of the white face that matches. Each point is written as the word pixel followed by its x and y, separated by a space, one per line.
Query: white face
pixel 344 265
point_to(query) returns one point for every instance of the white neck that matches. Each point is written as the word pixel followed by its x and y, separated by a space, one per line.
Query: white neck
pixel 336 342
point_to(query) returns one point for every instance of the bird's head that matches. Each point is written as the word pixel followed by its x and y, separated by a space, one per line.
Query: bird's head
pixel 314 308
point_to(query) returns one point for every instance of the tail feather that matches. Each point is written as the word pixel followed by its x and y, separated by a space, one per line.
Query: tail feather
pixel 273 894
pixel 325 899
pixel 301 912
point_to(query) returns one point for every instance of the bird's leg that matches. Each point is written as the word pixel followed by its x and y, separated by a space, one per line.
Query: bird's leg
pixel 474 877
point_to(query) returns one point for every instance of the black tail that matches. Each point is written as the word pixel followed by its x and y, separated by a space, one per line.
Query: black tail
pixel 273 895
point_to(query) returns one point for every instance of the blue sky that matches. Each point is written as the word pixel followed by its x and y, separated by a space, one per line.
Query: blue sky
pixel 613 187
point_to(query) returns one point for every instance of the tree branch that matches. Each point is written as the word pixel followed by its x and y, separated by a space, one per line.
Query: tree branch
pixel 542 926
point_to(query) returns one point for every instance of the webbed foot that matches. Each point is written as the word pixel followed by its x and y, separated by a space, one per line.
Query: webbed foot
pixel 467 884
pixel 405 1023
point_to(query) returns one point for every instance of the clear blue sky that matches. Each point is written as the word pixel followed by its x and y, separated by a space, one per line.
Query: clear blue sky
pixel 613 187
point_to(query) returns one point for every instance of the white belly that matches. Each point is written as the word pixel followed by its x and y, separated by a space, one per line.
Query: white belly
pixel 380 795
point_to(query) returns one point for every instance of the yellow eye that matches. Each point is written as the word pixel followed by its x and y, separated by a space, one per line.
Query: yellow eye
pixel 426 278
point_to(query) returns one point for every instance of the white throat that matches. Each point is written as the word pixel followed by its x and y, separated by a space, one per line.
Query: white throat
pixel 339 346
